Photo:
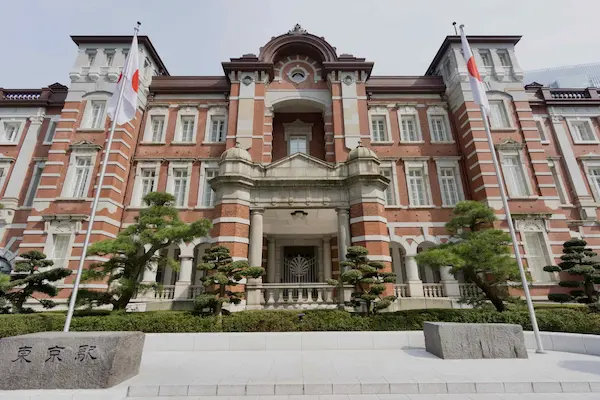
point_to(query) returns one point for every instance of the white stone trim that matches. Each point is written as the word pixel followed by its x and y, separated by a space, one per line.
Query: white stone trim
pixel 409 110
pixel 227 239
pixel 236 220
pixel 423 164
pixel 186 111
pixel 202 184
pixel 215 112
pixel 443 112
pixel 369 218
pixel 576 139
pixel 171 183
pixel 86 122
pixel 535 225
pixel 522 164
pixel 380 111
pixel 450 163
pixel 394 181
pixel 70 177
pixel 371 238
pixel 152 112
pixel 587 164
pixel 136 195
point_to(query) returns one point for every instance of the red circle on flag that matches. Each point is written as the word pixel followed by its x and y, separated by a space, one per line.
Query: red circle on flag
pixel 135 80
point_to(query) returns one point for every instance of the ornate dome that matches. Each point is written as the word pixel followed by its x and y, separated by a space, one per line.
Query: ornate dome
pixel 361 152
pixel 236 153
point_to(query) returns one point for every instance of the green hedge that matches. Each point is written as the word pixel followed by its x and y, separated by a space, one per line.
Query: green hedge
pixel 556 320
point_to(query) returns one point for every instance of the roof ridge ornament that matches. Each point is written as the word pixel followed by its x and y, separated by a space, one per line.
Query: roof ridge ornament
pixel 297 30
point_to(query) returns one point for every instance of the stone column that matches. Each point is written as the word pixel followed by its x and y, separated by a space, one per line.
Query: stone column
pixel 256 238
pixel 271 259
pixel 326 258
pixel 185 277
pixel 450 283
pixel 397 264
pixel 343 234
pixel 415 285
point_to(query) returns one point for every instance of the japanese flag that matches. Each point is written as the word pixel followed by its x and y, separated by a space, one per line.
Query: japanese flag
pixel 479 95
pixel 130 79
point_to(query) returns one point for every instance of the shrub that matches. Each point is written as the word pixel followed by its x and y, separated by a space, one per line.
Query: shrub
pixel 555 319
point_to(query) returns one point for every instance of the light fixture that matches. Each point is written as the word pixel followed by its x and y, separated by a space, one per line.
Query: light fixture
pixel 299 214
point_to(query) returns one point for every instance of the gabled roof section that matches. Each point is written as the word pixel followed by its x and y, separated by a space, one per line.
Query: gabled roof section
pixel 303 159
pixel 142 40
pixel 472 39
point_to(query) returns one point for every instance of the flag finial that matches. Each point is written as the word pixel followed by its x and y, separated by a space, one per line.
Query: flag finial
pixel 137 27
pixel 454 25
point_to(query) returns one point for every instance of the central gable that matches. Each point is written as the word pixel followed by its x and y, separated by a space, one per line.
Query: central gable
pixel 302 166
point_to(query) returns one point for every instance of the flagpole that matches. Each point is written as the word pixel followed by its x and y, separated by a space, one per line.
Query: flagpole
pixel 513 235
pixel 88 232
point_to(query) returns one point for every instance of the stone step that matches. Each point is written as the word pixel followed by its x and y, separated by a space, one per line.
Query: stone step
pixel 315 388
pixel 474 396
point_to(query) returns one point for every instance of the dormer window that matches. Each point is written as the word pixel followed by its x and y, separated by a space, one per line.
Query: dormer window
pixel 91 57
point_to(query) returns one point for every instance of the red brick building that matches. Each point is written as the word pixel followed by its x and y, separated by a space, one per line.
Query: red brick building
pixel 297 153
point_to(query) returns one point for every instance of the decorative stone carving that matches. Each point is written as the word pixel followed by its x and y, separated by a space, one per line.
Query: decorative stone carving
pixel 297 30
pixel 510 144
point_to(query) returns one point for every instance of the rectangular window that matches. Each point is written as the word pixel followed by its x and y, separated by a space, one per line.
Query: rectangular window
pixel 417 187
pixel 485 58
pixel 559 185
pixel 537 256
pixel 91 57
pixel 208 195
pixel 378 128
pixel 217 129
pixel 297 144
pixel 595 178
pixel 540 128
pixel 583 131
pixel 97 114
pixel 449 186
pixel 60 253
pixel 409 128
pixel 157 122
pixel 180 179
pixel 148 176
pixel 11 129
pixel 110 58
pixel 83 167
pixel 187 128
pixel 34 183
pixel 390 192
pixel 504 58
pixel 50 131
pixel 498 117
pixel 514 176
pixel 439 133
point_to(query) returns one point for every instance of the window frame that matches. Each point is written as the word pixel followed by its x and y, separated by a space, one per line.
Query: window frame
pixel 19 131
pixel 215 112
pixel 393 185
pixel 171 181
pixel 508 115
pixel 488 55
pixel 148 131
pixel 519 154
pixel 61 227
pixel 501 53
pixel 571 121
pixel 418 163
pixel 588 164
pixel 136 198
pixel 31 191
pixel 186 112
pixel 88 113
pixel 413 113
pixel 206 165
pixel 447 163
pixel 69 182
pixel 5 165
pixel 563 195
pixel 536 226
pixel 439 112
pixel 543 134
pixel 52 123
pixel 377 113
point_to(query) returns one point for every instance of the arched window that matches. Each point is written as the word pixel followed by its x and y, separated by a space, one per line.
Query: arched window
pixel 298 75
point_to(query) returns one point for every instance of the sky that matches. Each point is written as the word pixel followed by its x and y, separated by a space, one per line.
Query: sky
pixel 193 37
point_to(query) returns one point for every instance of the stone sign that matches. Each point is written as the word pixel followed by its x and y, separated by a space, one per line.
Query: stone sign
pixel 69 360
pixel 463 341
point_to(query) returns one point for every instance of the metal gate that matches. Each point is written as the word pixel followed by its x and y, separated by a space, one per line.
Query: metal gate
pixel 299 266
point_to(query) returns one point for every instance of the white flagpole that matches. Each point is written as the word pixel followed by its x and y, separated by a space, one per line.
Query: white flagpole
pixel 513 235
pixel 88 233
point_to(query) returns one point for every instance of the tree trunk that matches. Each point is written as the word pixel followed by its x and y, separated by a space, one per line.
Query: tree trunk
pixel 489 292
pixel 589 289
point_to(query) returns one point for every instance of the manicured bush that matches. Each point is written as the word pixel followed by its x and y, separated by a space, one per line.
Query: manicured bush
pixel 555 319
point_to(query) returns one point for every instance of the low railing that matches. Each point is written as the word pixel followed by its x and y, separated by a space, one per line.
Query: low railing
pixel 433 290
pixel 165 292
pixel 401 290
pixel 20 95
pixel 468 290
pixel 194 291
pixel 300 295
pixel 568 94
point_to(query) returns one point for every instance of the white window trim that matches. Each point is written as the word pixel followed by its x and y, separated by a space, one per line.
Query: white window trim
pixel 577 140
pixel 394 181
pixel 171 181
pixel 414 112
pixel 86 123
pixel 435 111
pixel 450 163
pixel 519 154
pixel 215 111
pixel 21 121
pixel 30 186
pixel 201 187
pixel 587 164
pixel 543 125
pixel 136 198
pixel 185 112
pixel 381 112
pixel 507 108
pixel 5 164
pixel 418 163
pixel 520 226
pixel 153 112
pixel 70 178
pixel 289 129
pixel 560 185
pixel 60 228
pixel 55 119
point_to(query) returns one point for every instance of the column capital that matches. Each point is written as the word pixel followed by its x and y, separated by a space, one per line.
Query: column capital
pixel 257 211
pixel 342 210
pixel 326 238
